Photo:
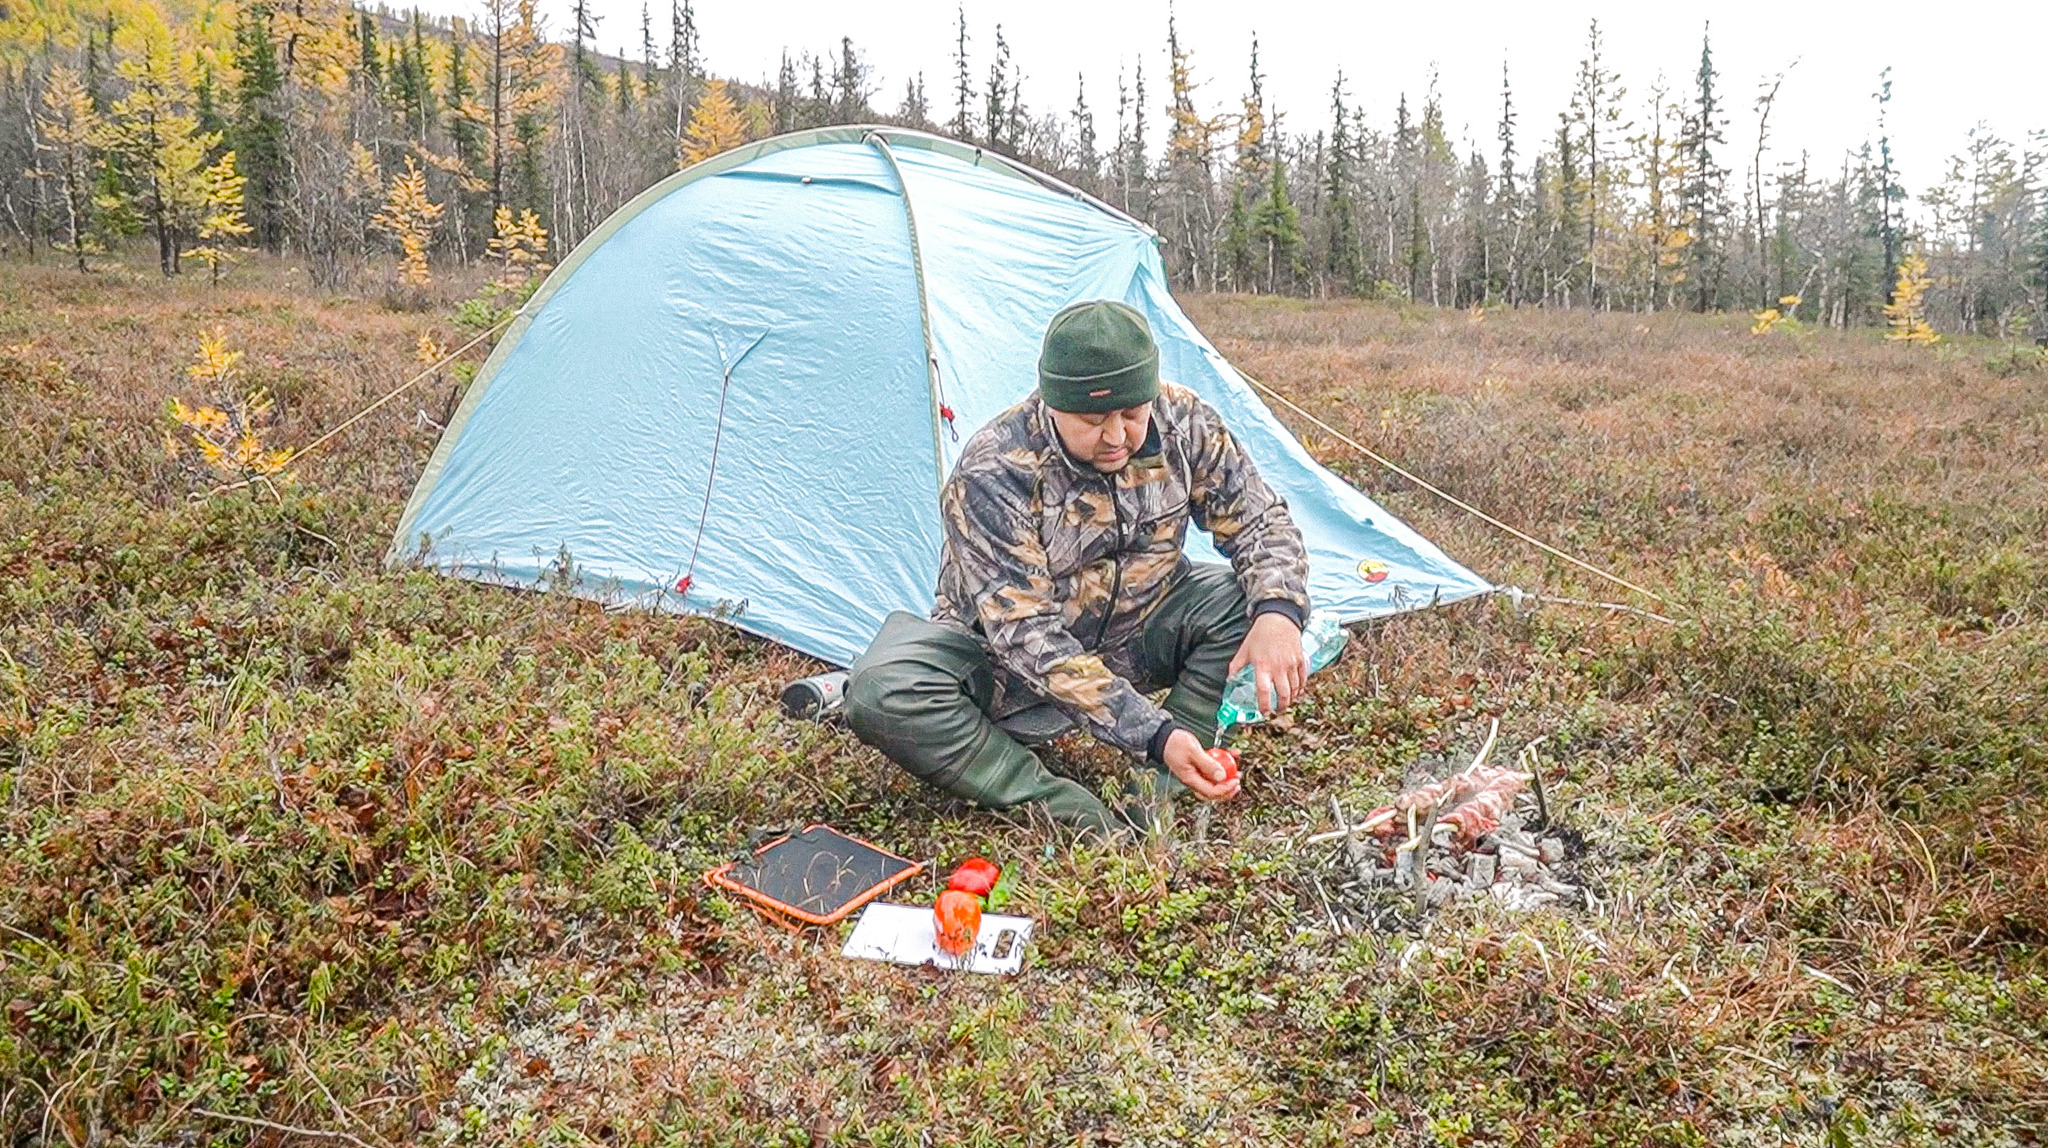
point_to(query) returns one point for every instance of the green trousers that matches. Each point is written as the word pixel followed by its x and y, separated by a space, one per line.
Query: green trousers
pixel 922 692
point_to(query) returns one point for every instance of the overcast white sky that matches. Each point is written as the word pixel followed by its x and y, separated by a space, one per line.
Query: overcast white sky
pixel 1952 66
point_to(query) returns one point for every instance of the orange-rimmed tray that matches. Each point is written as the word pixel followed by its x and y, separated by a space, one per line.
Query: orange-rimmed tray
pixel 816 875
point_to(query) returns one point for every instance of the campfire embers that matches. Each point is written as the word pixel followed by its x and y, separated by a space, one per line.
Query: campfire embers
pixel 1483 831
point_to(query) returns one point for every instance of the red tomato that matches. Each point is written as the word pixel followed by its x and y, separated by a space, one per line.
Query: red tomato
pixel 1228 759
pixel 958 917
pixel 976 875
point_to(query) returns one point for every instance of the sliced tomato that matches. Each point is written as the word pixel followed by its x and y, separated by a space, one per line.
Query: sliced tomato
pixel 976 875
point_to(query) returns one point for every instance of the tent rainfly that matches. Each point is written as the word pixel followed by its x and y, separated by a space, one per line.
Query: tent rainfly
pixel 740 395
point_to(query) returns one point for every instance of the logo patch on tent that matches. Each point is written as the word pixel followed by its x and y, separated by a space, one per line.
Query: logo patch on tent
pixel 1372 570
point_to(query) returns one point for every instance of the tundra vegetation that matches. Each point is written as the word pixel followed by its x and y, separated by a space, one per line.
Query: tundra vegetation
pixel 288 841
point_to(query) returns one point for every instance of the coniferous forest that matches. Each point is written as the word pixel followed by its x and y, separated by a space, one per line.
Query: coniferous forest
pixel 348 136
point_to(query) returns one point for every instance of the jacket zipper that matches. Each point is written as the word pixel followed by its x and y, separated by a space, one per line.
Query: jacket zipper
pixel 1116 565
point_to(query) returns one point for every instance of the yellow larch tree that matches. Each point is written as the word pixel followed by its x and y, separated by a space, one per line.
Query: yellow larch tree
pixel 155 132
pixel 315 44
pixel 523 78
pixel 223 219
pixel 226 434
pixel 715 126
pixel 1785 314
pixel 70 126
pixel 410 218
pixel 1907 312
pixel 521 245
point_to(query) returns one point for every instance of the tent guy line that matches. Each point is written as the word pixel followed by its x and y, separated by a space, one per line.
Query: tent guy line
pixel 1447 496
pixel 360 415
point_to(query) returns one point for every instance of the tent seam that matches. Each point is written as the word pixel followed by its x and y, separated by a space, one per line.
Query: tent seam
pixel 924 311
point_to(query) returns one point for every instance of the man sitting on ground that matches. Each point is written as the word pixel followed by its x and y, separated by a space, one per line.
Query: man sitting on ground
pixel 1062 581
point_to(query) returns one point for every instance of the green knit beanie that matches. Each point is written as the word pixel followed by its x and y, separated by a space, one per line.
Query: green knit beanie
pixel 1098 356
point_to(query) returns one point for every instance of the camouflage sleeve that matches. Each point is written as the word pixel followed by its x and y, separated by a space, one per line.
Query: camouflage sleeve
pixel 1249 522
pixel 992 530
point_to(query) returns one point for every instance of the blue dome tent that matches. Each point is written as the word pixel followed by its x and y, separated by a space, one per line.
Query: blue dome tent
pixel 740 395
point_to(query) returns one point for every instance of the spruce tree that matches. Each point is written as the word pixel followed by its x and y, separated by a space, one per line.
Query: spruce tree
pixel 423 77
pixel 1475 280
pixel 1340 258
pixel 1540 226
pixel 93 77
pixel 1276 231
pixel 1596 105
pixel 1252 127
pixel 258 130
pixel 647 54
pixel 1236 250
pixel 785 95
pixel 818 107
pixel 465 129
pixel 369 69
pixel 412 95
pixel 1189 148
pixel 1087 164
pixel 1137 163
pixel 534 84
pixel 1408 171
pixel 915 111
pixel 849 86
pixel 206 107
pixel 1569 220
pixel 1889 193
pixel 996 98
pixel 1248 177
pixel 1507 212
pixel 682 67
pixel 1700 197
pixel 962 126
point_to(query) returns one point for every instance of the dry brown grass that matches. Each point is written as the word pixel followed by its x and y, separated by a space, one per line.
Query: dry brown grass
pixel 287 837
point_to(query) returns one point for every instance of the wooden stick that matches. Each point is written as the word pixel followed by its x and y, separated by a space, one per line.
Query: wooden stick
pixel 1366 826
pixel 1491 736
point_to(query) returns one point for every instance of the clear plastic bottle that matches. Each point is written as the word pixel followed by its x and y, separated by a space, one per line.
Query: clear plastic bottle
pixel 1322 641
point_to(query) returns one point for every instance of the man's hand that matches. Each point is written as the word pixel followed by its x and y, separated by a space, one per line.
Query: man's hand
pixel 1279 664
pixel 1188 761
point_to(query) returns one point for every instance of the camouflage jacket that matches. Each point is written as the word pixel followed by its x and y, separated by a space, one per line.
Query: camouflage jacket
pixel 1054 566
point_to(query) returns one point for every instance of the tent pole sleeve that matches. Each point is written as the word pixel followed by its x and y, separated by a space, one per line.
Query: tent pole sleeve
pixel 924 312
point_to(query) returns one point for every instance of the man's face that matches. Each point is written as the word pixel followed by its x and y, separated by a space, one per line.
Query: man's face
pixel 1105 441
